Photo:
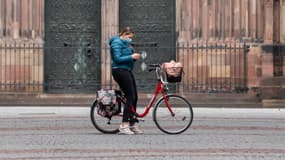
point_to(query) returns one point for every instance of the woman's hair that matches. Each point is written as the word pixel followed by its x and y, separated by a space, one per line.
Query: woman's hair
pixel 126 31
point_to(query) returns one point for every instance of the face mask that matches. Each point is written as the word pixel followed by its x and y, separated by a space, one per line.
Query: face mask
pixel 128 40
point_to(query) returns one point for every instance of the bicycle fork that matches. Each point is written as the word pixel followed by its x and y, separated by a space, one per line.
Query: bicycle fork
pixel 164 95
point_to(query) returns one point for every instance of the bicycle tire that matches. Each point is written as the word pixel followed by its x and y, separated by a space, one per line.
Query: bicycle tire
pixel 101 123
pixel 168 123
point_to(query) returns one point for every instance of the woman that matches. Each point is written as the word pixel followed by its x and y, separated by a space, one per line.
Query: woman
pixel 123 58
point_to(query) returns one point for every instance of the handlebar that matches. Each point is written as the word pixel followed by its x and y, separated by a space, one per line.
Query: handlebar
pixel 153 67
pixel 159 73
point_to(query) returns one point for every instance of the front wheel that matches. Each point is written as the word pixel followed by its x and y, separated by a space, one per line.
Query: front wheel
pixel 177 122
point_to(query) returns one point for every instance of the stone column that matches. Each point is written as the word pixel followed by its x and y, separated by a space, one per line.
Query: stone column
pixel 253 18
pixel 110 27
pixel 205 20
pixel 41 18
pixel 219 19
pixel 184 29
pixel 8 22
pixel 254 69
pixel 267 72
pixel 184 21
pixel 268 89
pixel 196 19
pixel 1 18
pixel 237 18
pixel 15 23
pixel 260 20
pixel 282 22
pixel 212 19
pixel 276 21
pixel 23 18
pixel 245 18
pixel 223 19
pixel 282 29
pixel 31 20
pixel 268 33
pixel 229 20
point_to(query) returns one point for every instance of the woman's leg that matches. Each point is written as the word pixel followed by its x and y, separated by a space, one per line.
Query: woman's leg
pixel 135 92
pixel 132 120
pixel 126 82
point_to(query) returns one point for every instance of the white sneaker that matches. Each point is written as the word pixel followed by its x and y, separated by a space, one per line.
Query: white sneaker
pixel 136 129
pixel 125 130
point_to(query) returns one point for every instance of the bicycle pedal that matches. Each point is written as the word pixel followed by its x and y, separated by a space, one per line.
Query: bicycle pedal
pixel 140 119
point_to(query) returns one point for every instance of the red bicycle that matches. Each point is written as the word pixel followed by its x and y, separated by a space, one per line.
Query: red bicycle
pixel 172 113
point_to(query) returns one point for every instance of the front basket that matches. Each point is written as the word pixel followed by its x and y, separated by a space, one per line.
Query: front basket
pixel 174 79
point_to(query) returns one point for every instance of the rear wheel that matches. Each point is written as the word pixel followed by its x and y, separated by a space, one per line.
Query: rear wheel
pixel 175 123
pixel 104 124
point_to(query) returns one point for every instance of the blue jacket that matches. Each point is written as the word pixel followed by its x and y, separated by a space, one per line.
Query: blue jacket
pixel 121 54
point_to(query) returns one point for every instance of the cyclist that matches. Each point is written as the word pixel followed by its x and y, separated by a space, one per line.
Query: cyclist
pixel 123 58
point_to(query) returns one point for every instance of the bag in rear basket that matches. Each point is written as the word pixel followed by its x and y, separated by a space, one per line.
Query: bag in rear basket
pixel 107 102
pixel 173 71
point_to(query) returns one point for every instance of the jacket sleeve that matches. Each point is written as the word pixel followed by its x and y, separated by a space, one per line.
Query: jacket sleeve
pixel 116 53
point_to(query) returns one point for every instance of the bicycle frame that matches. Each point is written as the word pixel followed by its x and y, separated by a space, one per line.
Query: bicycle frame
pixel 159 88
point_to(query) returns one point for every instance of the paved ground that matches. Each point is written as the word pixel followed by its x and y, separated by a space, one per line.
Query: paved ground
pixel 66 133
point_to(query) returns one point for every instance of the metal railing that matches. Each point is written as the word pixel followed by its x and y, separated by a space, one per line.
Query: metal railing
pixel 208 67
pixel 214 67
pixel 21 66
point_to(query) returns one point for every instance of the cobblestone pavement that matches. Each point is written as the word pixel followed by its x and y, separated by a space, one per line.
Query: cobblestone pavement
pixel 62 133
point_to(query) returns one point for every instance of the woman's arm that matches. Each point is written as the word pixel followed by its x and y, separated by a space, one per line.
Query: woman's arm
pixel 116 53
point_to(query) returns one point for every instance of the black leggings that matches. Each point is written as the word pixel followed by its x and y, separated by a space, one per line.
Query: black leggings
pixel 127 83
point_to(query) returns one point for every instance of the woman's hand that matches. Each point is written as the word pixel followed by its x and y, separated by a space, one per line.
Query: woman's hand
pixel 136 56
